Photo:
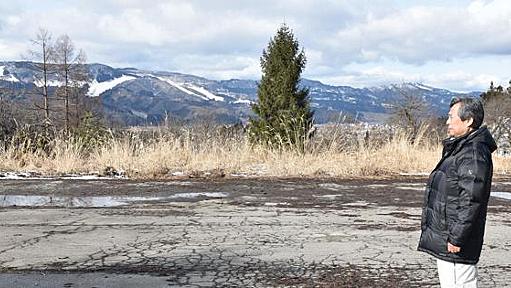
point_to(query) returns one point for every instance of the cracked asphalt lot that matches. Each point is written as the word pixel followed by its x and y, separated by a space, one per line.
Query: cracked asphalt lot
pixel 228 233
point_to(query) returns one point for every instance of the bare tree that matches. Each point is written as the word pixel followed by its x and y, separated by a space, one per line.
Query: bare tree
pixel 42 54
pixel 497 106
pixel 410 111
pixel 7 121
pixel 71 70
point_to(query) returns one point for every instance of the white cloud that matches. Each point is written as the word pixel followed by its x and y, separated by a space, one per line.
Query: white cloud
pixel 224 38
pixel 219 66
pixel 131 26
pixel 11 50
pixel 456 80
pixel 461 80
pixel 427 33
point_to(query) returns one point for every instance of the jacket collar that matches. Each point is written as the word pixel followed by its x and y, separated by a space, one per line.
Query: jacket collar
pixel 453 144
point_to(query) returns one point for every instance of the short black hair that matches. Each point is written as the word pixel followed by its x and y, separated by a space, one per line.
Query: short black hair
pixel 471 107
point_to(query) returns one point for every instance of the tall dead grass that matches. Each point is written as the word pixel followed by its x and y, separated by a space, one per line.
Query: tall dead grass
pixel 335 151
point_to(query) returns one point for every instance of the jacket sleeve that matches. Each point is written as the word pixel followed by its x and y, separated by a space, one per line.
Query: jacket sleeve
pixel 474 173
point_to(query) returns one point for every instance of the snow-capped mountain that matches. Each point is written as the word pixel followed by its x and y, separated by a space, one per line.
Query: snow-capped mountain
pixel 136 96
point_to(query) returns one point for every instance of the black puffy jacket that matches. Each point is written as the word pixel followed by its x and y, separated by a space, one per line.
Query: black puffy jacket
pixel 456 198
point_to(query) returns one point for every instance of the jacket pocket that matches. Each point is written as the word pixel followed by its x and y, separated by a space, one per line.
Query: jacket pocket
pixel 442 244
pixel 437 218
pixel 434 241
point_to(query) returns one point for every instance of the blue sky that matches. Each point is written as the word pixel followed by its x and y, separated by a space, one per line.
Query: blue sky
pixel 459 45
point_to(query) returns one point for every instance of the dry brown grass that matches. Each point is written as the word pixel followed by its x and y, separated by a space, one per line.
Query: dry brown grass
pixel 335 152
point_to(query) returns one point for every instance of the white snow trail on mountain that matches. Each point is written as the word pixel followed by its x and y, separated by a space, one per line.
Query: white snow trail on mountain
pixel 193 90
pixel 206 93
pixel 178 86
pixel 243 101
pixel 140 114
pixel 96 88
pixel 421 86
pixel 53 83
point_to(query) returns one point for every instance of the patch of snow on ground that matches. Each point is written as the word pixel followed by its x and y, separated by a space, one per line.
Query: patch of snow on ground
pixel 249 198
pixel 20 175
pixel 36 176
pixel 503 195
pixel 161 183
pixel 98 201
pixel 96 88
pixel 415 174
pixel 199 194
pixel 357 204
pixel 410 188
pixel 92 177
pixel 94 201
pixel 18 200
pixel 335 187
pixel 240 174
pixel 377 186
pixel 276 204
pixel 329 196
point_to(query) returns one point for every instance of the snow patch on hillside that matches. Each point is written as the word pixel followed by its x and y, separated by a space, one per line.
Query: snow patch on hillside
pixel 96 88
pixel 191 89
pixel 50 83
pixel 206 93
pixel 424 87
pixel 243 101
pixel 9 77
pixel 181 88
pixel 140 114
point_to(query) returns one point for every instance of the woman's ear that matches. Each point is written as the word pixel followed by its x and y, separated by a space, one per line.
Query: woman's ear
pixel 469 122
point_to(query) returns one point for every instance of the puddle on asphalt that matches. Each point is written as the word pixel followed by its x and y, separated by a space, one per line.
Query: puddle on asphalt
pixel 503 195
pixel 94 201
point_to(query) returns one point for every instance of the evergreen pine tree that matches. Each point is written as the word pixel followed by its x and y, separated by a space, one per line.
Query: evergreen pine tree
pixel 284 116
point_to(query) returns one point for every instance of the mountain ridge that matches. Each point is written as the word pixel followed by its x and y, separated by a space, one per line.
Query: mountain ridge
pixel 141 96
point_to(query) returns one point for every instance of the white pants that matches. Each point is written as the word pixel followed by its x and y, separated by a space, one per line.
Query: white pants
pixel 456 275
